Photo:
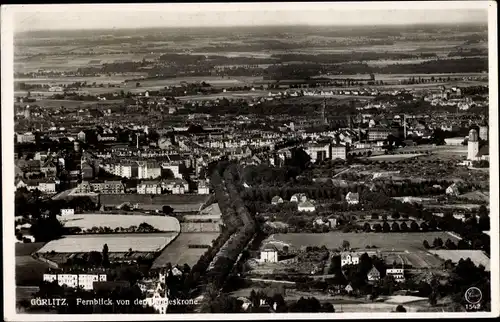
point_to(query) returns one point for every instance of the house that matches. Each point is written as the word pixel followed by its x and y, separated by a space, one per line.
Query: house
pixel 83 188
pixel 352 198
pixel 397 273
pixel 87 171
pixel 373 275
pixel 178 189
pixel 453 190
pixel 67 212
pixel 149 187
pixel 108 187
pixel 348 258
pixel 306 206
pixel 269 255
pixel 49 168
pixel 85 281
pixel 203 188
pixel 298 197
pixel 349 289
pixel 276 200
pixel 332 222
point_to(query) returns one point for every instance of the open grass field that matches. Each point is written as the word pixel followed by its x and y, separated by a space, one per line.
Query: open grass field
pixel 477 256
pixel 383 241
pixel 87 221
pixel 116 242
pixel 28 271
pixel 394 157
pixel 178 252
pixel 70 104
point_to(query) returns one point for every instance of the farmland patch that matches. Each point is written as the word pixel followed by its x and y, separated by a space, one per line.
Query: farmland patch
pixel 180 252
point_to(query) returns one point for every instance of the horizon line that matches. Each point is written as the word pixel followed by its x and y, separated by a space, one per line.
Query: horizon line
pixel 448 23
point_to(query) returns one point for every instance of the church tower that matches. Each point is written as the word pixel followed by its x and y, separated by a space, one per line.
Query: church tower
pixel 473 145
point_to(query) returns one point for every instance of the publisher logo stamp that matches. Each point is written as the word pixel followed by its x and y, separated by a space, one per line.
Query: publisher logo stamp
pixel 473 295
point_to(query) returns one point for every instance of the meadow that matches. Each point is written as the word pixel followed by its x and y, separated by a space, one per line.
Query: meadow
pixel 383 241
pixel 477 256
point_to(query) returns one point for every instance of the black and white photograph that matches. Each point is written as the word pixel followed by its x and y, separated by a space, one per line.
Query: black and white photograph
pixel 260 160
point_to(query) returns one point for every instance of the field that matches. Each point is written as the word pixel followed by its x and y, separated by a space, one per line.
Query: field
pixel 386 241
pixel 118 243
pixel 200 227
pixel 414 259
pixel 29 271
pixel 179 252
pixel 70 104
pixel 87 221
pixel 477 256
pixel 395 157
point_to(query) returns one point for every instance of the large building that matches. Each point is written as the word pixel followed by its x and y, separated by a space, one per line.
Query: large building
pixel 377 134
pixel 85 281
pixel 483 132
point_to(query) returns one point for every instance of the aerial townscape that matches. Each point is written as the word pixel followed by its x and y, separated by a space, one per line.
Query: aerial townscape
pixel 252 169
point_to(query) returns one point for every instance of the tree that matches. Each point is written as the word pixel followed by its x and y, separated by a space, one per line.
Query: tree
pixel 346 245
pixel 404 226
pixel 385 227
pixel 366 227
pixel 437 243
pixel 426 244
pixel 377 227
pixel 105 256
pixel 95 259
pixel 450 245
pixel 396 215
pixel 400 308
pixel 395 227
pixel 414 226
pixel 374 216
pixel 167 210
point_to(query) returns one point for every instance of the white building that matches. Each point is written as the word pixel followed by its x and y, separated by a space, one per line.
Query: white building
pixel 269 255
pixel 352 198
pixel 349 259
pixel 397 273
pixel 203 188
pixel 338 152
pixel 318 151
pixel 67 212
pixel 149 188
pixel 306 206
pixel 85 281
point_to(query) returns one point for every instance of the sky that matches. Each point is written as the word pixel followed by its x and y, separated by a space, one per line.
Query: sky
pixel 98 16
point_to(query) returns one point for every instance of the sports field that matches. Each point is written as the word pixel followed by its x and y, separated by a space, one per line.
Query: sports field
pixel 87 221
pixel 117 243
